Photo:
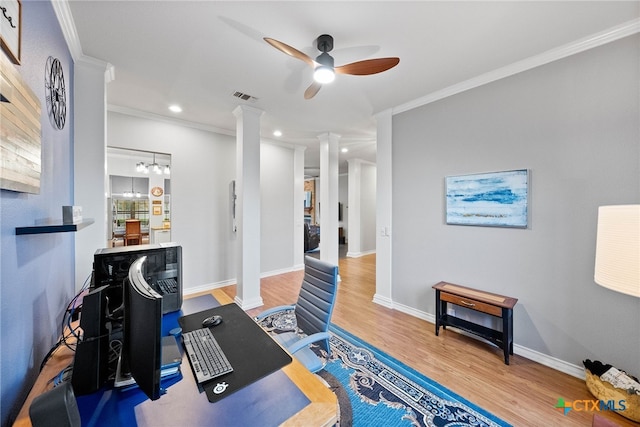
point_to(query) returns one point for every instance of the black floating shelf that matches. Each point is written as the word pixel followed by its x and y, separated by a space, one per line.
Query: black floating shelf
pixel 54 227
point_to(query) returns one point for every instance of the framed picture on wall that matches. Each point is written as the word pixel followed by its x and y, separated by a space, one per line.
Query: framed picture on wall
pixel 157 210
pixel 494 199
pixel 11 29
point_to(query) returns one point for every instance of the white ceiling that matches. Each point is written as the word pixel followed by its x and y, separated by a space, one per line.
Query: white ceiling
pixel 198 53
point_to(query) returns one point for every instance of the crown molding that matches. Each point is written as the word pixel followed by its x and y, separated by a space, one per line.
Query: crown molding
pixel 157 117
pixel 580 45
pixel 68 27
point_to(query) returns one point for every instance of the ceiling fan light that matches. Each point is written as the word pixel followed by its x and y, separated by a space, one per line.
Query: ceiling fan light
pixel 324 74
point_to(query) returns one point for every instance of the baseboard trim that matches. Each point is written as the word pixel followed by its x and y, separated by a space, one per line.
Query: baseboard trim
pixel 281 271
pixel 533 355
pixel 211 286
pixel 383 301
pixel 249 304
pixel 208 287
pixel 551 362
pixel 359 254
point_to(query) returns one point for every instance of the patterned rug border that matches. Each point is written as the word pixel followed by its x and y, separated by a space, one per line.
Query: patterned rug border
pixel 414 375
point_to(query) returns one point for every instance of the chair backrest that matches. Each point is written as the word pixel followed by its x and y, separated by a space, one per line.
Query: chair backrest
pixel 317 297
pixel 132 227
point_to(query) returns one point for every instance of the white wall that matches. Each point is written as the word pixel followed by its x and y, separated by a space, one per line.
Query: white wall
pixel 276 207
pixel 343 197
pixel 368 208
pixel 202 168
pixel 362 208
pixel 575 124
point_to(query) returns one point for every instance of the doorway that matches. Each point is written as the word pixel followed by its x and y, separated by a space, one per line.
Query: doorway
pixel 139 191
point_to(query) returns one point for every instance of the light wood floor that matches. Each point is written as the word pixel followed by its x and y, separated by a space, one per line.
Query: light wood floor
pixel 523 393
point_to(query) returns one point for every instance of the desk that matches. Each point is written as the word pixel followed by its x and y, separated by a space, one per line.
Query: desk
pixel 484 302
pixel 258 401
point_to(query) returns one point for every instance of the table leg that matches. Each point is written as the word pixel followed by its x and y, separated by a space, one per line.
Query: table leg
pixel 510 331
pixel 438 308
pixel 506 334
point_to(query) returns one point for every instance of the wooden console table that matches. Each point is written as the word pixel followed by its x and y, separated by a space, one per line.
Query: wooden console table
pixel 485 302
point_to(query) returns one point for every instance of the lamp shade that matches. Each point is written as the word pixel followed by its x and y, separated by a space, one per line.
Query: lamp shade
pixel 617 265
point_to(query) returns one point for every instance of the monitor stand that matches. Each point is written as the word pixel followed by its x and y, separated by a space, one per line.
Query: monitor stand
pixel 171 360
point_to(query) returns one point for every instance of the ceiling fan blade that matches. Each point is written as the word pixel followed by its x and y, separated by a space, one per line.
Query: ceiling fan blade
pixel 368 66
pixel 312 90
pixel 291 51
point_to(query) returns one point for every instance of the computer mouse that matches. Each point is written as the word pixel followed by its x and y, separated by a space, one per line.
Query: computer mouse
pixel 210 321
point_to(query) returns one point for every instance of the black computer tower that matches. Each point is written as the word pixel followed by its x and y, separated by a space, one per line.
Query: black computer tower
pixel 164 261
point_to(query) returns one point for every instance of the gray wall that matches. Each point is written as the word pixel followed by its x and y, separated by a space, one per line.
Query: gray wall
pixel 574 124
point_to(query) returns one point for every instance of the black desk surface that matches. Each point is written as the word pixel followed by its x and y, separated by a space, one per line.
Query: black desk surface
pixel 266 402
pixel 251 352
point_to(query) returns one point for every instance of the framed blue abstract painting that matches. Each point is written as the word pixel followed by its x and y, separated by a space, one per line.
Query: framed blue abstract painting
pixel 495 199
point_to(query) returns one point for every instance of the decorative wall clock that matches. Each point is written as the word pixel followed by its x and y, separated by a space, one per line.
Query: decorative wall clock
pixel 56 94
pixel 157 191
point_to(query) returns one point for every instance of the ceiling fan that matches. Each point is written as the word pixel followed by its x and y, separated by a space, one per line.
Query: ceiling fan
pixel 324 70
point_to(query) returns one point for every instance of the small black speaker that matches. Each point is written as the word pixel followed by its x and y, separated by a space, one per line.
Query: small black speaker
pixel 55 408
pixel 90 365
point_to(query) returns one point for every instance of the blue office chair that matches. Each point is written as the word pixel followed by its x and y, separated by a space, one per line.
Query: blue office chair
pixel 313 313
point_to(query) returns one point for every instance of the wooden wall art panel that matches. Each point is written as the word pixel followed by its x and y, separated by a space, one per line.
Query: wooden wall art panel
pixel 20 132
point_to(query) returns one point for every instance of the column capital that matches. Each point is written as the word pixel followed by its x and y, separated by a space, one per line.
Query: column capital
pixel 242 110
pixel 329 136
pixel 384 115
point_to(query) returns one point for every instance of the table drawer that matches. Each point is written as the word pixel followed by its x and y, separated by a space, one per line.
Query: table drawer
pixel 472 304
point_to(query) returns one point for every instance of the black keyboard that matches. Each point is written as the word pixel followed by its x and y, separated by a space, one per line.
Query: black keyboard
pixel 167 286
pixel 206 357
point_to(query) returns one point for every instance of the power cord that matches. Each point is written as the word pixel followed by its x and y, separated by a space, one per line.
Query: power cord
pixel 67 330
pixel 62 376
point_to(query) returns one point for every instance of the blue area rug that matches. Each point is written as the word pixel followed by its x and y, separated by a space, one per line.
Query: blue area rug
pixel 384 392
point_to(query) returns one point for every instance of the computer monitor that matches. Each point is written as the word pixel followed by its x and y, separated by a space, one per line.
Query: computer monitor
pixel 142 340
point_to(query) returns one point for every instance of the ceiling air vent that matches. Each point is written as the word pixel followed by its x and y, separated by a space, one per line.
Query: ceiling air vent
pixel 244 96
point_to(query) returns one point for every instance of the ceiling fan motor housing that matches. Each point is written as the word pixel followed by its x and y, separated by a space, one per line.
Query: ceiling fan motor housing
pixel 325 43
pixel 325 59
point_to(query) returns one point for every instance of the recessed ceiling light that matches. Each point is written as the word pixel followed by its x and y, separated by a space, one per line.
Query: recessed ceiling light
pixel 175 108
pixel 345 150
pixel 277 133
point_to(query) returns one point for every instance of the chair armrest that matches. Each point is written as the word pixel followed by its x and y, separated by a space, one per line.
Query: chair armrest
pixel 304 342
pixel 272 310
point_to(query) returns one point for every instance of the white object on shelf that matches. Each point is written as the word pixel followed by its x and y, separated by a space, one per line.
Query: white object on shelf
pixel 71 214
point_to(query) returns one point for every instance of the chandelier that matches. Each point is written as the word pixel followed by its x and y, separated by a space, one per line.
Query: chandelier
pixel 154 167
pixel 131 193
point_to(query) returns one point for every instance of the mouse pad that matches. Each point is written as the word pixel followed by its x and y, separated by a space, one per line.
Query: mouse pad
pixel 252 353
